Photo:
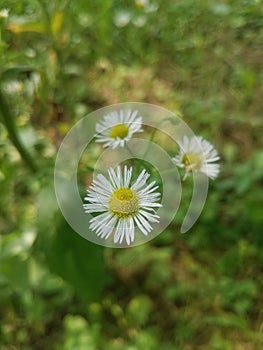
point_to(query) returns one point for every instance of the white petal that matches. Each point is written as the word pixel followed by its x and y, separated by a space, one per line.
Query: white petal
pixel 119 233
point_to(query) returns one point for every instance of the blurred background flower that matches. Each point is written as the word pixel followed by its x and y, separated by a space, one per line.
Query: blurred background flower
pixel 4 13
pixel 122 18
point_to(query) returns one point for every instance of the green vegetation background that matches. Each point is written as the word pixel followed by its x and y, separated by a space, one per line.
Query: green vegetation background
pixel 60 60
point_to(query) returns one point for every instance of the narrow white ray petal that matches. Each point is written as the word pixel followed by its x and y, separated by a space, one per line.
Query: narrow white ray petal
pixel 106 229
pixel 144 222
pixel 141 180
pixel 97 222
pixel 119 233
pixel 113 178
pixel 131 232
pixel 92 208
pixel 140 226
pixel 148 189
pixel 119 176
pixel 149 216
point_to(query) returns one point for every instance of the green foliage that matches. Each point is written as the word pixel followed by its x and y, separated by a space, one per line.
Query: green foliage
pixel 74 259
pixel 60 60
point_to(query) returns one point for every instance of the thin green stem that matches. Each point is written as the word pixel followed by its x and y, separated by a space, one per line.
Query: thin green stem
pixel 47 20
pixel 167 171
pixel 129 150
pixel 149 143
pixel 89 167
pixel 55 45
pixel 8 121
pixel 154 132
pixel 171 170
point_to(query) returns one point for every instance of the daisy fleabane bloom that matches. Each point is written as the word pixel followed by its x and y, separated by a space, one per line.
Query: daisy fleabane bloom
pixel 122 205
pixel 197 155
pixel 4 13
pixel 118 127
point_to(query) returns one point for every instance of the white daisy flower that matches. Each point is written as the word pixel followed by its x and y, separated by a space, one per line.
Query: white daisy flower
pixel 196 155
pixel 139 21
pixel 122 18
pixel 122 205
pixel 118 127
pixel 14 87
pixel 142 3
pixel 4 13
pixel 146 5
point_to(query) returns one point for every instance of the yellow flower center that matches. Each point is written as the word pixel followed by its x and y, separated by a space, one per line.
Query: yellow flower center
pixel 140 4
pixel 191 161
pixel 124 202
pixel 119 130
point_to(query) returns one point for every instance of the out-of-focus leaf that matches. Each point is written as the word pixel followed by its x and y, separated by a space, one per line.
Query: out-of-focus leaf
pixel 139 309
pixel 78 334
pixel 68 255
pixel 56 22
pixel 14 271
pixel 17 28
pixel 17 244
pixel 76 260
pixel 15 252
pixel 13 72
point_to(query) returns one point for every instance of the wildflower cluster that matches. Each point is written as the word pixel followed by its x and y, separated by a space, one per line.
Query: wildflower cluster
pixel 120 204
pixel 136 15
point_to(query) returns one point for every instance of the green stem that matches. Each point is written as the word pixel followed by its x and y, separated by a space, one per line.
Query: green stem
pixel 56 47
pixel 154 132
pixel 8 121
pixel 89 167
pixel 167 171
pixel 149 143
pixel 129 150
pixel 48 26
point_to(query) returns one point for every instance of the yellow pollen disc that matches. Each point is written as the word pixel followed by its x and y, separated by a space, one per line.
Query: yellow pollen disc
pixel 140 4
pixel 192 161
pixel 124 202
pixel 119 130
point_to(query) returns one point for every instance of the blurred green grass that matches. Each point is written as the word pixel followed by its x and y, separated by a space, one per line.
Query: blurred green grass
pixel 63 59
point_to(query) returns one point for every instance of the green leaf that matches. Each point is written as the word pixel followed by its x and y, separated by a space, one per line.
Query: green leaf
pixel 14 271
pixel 139 309
pixel 77 261
pixel 13 72
pixel 78 334
pixel 67 254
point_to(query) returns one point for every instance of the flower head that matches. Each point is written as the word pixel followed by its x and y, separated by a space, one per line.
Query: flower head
pixel 14 87
pixel 196 155
pixel 146 5
pixel 122 18
pixel 118 127
pixel 141 3
pixel 4 13
pixel 122 205
pixel 139 21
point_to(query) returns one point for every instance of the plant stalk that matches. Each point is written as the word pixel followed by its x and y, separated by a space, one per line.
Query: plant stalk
pixel 8 121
